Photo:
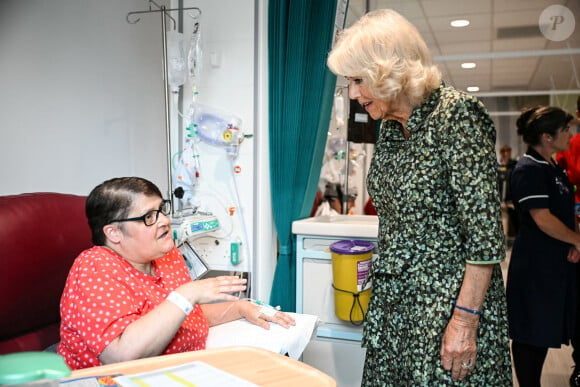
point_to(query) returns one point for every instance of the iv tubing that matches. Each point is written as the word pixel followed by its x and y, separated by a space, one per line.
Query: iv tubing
pixel 242 221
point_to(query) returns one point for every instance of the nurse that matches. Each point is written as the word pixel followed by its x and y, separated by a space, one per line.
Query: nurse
pixel 541 280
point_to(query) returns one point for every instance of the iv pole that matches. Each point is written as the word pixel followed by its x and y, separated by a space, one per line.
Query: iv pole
pixel 164 14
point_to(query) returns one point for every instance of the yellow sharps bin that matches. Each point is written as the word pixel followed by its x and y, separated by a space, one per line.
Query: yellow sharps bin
pixel 351 265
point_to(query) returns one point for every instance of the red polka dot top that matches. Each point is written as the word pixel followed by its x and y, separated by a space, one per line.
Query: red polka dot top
pixel 103 294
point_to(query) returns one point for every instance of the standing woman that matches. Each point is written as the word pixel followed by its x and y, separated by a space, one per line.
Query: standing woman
pixel 437 312
pixel 541 281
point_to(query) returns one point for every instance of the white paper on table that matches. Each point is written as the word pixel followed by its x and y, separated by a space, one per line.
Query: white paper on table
pixel 196 373
pixel 292 340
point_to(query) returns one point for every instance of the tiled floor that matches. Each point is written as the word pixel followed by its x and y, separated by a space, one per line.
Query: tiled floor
pixel 558 365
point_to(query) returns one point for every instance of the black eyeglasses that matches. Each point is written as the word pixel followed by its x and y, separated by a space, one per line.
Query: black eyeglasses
pixel 152 216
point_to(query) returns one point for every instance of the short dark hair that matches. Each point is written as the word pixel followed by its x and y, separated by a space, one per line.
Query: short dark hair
pixel 113 199
pixel 533 122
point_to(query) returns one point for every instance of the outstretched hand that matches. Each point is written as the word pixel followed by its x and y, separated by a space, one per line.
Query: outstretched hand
pixel 213 289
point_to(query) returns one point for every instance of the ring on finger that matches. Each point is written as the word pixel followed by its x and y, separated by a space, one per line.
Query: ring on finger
pixel 467 366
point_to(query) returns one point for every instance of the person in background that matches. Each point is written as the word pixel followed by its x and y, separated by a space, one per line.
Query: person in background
pixel 504 168
pixel 369 209
pixel 541 280
pixel 570 161
pixel 130 296
pixel 334 199
pixel 331 204
pixel 437 313
pixel 350 200
pixel 318 200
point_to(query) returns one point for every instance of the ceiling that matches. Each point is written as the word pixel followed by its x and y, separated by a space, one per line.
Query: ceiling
pixel 512 55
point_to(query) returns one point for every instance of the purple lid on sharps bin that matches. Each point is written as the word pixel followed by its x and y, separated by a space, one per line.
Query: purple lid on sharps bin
pixel 352 247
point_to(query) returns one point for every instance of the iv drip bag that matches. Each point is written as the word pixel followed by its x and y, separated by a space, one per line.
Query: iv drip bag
pixel 339 109
pixel 176 63
pixel 218 128
pixel 194 56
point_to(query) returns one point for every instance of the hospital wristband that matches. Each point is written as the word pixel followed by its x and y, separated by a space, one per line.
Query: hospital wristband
pixel 472 311
pixel 181 302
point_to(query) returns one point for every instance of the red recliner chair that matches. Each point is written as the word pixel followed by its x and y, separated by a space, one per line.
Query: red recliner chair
pixel 40 236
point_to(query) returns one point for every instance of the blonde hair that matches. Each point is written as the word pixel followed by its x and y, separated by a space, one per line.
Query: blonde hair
pixel 390 56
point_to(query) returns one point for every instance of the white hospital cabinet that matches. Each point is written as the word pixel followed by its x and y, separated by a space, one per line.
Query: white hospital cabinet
pixel 336 349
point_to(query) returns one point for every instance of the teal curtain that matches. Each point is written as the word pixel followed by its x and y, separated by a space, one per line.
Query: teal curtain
pixel 301 90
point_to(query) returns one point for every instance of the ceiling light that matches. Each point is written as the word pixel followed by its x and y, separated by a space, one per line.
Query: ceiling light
pixel 459 23
pixel 473 89
pixel 468 65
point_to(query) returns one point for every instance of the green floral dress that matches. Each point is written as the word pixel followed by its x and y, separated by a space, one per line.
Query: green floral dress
pixel 438 206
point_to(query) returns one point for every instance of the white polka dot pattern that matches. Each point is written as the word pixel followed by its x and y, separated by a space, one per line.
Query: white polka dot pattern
pixel 104 294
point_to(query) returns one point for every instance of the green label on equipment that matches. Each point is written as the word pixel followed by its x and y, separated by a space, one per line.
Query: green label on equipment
pixel 235 253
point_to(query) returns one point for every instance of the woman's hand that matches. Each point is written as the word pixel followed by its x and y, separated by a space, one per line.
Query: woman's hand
pixel 554 227
pixel 150 334
pixel 459 348
pixel 573 255
pixel 261 317
pixel 212 289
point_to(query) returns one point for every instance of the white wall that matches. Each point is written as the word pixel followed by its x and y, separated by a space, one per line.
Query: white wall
pixel 81 100
pixel 81 96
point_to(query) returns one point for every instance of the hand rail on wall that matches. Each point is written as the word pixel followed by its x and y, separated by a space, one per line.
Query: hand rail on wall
pixel 163 10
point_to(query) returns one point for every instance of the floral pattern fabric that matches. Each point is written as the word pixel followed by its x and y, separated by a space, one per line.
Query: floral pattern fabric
pixel 436 196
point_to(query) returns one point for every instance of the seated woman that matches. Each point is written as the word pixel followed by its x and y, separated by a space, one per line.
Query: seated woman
pixel 130 296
